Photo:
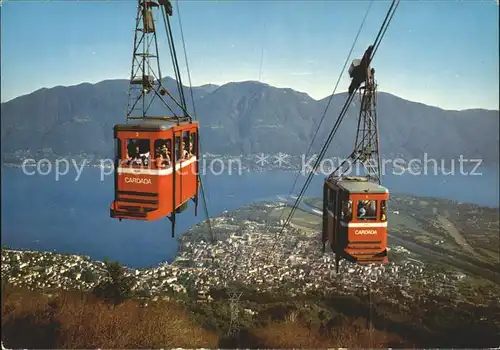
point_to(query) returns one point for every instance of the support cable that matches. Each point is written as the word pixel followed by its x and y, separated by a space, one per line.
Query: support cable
pixel 204 192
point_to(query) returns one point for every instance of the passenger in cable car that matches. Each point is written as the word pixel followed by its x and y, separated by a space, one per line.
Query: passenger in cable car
pixel 165 152
pixel 160 162
pixel 138 152
pixel 383 215
pixel 191 148
pixel 367 209
pixel 370 209
pixel 188 149
pixel 185 152
pixel 135 158
pixel 347 211
pixel 144 158
pixel 162 157
pixel 131 152
pixel 166 158
pixel 361 210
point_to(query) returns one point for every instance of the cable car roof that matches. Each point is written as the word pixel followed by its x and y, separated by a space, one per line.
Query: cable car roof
pixel 358 184
pixel 153 124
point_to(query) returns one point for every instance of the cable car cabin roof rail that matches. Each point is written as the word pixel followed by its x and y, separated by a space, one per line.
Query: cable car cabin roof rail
pixel 357 185
pixel 184 119
pixel 156 125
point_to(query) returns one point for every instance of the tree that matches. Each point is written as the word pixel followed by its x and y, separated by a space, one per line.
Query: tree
pixel 116 287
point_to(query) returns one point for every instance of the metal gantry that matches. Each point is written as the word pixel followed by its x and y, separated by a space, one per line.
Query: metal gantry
pixel 366 146
pixel 234 299
pixel 146 85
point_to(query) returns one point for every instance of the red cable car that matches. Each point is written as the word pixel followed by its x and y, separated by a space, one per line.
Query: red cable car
pixel 359 238
pixel 146 185
pixel 156 157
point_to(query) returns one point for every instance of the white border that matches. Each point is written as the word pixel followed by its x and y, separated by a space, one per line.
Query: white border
pixel 364 224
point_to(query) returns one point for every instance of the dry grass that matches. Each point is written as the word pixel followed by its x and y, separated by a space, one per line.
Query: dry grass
pixel 76 320
pixel 353 333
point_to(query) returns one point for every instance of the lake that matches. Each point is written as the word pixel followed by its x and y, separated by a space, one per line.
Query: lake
pixel 69 216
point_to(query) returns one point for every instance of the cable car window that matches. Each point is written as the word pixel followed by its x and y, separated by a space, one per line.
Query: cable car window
pixel 177 148
pixel 163 151
pixel 347 210
pixel 383 211
pixel 138 152
pixel 367 209
pixel 186 148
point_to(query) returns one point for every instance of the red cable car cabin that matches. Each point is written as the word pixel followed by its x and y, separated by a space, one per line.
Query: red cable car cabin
pixel 355 219
pixel 146 185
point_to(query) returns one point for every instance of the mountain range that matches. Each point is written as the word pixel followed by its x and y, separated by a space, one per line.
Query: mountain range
pixel 246 118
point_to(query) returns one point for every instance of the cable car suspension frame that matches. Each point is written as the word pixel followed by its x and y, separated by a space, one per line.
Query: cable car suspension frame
pixel 146 77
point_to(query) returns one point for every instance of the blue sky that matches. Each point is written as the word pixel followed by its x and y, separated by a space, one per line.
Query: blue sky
pixel 442 53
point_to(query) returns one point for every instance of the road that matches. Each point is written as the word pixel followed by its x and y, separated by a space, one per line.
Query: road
pixel 457 236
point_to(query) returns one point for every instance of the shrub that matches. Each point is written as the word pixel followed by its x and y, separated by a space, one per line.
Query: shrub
pixel 116 287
